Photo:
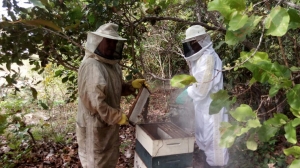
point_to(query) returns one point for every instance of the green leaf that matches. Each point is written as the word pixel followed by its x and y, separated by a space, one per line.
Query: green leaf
pixel 277 22
pixel 12 146
pixel 261 71
pixel 295 151
pixel 274 90
pixel 115 2
pixel 251 144
pixel 37 3
pixel 237 21
pixel 224 126
pixel 254 21
pixel 230 38
pixel 290 133
pixel 265 132
pixel 295 164
pixel 58 73
pixel 233 37
pixel 65 79
pixel 243 130
pixel 293 97
pixel 181 81
pixel 295 69
pixel 91 19
pixel 243 113
pixel 151 2
pixel 220 6
pixel 238 5
pixel 265 71
pixel 228 134
pixel 296 122
pixel 3 123
pixel 296 113
pixel 45 2
pixel 44 106
pixel 286 83
pixel 75 14
pixel 294 19
pixel 281 70
pixel 220 99
pixel 33 92
pixel 252 81
pixel 8 65
pixel 278 120
pixel 253 123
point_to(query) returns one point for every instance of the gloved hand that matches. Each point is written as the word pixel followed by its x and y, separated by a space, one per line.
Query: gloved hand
pixel 124 120
pixel 138 83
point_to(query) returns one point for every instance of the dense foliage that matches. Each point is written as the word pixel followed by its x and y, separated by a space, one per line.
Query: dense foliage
pixel 258 42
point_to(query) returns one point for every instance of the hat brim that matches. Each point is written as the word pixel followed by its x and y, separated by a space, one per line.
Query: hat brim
pixel 193 38
pixel 108 36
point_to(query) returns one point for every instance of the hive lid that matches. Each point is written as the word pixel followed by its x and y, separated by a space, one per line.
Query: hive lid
pixel 138 106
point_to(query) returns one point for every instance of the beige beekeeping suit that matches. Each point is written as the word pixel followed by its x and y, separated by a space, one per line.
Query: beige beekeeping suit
pixel 100 88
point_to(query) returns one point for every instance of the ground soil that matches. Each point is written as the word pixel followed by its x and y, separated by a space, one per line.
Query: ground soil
pixel 50 154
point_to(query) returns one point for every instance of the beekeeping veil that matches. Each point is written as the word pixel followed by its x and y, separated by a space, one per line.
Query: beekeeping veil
pixel 195 39
pixel 110 31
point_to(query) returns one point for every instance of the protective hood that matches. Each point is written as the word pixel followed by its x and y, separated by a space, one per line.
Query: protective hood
pixel 109 31
pixel 190 48
pixel 206 66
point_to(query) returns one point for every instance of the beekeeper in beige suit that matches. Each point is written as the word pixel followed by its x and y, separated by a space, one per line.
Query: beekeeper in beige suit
pixel 100 87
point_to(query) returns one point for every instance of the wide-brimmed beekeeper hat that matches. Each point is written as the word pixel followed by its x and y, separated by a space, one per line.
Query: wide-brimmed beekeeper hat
pixel 108 30
pixel 193 32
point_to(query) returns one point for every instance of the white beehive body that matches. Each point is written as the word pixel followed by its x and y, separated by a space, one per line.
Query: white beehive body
pixel 159 142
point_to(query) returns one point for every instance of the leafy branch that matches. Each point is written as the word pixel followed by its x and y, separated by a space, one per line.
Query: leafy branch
pixel 251 56
pixel 160 18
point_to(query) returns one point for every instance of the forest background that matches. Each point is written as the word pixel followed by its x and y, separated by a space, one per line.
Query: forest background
pixel 258 42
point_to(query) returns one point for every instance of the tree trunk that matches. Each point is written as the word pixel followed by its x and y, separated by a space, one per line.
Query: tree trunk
pixel 198 11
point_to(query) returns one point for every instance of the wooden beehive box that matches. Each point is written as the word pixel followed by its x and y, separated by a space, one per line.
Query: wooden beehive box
pixel 160 139
pixel 144 159
pixel 162 145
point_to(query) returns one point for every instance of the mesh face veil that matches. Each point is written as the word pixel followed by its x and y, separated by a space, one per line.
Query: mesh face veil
pixel 117 54
pixel 106 31
pixel 193 45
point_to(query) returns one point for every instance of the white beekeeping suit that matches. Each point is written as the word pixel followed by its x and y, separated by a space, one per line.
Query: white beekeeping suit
pixel 206 67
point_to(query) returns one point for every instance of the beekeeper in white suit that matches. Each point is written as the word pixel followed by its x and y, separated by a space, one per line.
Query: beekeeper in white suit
pixel 100 87
pixel 206 66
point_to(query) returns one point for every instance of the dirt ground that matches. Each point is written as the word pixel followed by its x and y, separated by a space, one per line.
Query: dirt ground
pixel 46 154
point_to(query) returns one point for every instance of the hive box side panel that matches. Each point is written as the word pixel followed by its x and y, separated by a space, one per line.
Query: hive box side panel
pixel 164 147
pixel 145 139
pixel 169 161
pixel 191 144
pixel 170 147
pixel 138 163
